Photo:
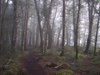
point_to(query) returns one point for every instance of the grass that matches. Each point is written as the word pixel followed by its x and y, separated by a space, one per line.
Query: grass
pixel 63 72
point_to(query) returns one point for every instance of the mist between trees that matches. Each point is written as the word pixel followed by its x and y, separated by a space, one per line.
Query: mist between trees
pixel 48 24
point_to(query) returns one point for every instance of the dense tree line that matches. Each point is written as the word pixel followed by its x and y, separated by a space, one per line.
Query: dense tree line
pixel 47 24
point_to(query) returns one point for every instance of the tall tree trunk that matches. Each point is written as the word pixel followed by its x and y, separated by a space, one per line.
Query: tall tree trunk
pixel 48 26
pixel 14 32
pixel 91 16
pixel 96 36
pixel 63 34
pixel 39 23
pixel 45 23
pixel 53 31
pixel 74 23
pixel 24 25
pixel 77 26
pixel 2 17
pixel 0 29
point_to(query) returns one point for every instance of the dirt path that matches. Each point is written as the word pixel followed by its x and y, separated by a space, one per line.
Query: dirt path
pixel 31 65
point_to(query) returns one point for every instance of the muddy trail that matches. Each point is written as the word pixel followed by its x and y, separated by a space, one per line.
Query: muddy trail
pixel 31 65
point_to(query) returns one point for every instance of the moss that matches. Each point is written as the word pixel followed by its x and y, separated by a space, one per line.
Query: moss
pixel 51 65
pixel 9 72
pixel 68 65
pixel 79 60
pixel 63 72
pixel 23 71
pixel 93 70
pixel 95 58
pixel 39 54
pixel 82 55
pixel 96 63
pixel 60 59
pixel 45 58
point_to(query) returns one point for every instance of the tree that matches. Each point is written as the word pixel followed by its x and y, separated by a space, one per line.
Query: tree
pixel 96 33
pixel 2 24
pixel 76 26
pixel 91 17
pixel 39 23
pixel 0 27
pixel 49 26
pixel 63 34
pixel 15 24
pixel 24 26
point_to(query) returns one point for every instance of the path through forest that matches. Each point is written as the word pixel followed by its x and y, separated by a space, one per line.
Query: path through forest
pixel 31 65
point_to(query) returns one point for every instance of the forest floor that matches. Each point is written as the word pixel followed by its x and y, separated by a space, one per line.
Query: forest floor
pixel 36 63
pixel 30 64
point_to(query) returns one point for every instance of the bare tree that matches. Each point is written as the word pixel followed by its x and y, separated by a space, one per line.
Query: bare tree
pixel 91 17
pixel 96 33
pixel 49 26
pixel 39 23
pixel 0 27
pixel 63 34
pixel 15 24
pixel 2 23
pixel 25 25
pixel 76 26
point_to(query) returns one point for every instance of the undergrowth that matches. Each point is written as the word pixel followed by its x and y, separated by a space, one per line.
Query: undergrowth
pixel 9 64
pixel 63 72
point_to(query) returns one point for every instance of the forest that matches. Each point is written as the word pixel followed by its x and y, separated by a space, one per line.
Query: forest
pixel 49 37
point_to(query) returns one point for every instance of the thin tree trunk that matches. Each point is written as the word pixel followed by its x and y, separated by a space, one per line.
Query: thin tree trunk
pixel 0 29
pixel 77 26
pixel 59 36
pixel 74 23
pixel 30 43
pixel 24 25
pixel 91 16
pixel 63 34
pixel 14 33
pixel 2 24
pixel 37 38
pixel 96 34
pixel 39 23
pixel 96 38
pixel 45 23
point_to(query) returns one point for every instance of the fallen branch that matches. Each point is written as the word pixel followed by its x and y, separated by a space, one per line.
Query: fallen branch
pixel 58 66
pixel 8 62
pixel 2 67
pixel 61 66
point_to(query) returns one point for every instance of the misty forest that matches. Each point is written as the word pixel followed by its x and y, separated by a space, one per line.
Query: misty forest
pixel 49 37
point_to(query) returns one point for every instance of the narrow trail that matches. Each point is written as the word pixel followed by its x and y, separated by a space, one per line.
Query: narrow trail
pixel 31 65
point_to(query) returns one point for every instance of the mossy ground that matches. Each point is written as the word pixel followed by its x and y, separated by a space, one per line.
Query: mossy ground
pixel 13 67
pixel 63 72
pixel 81 65
pixel 85 64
